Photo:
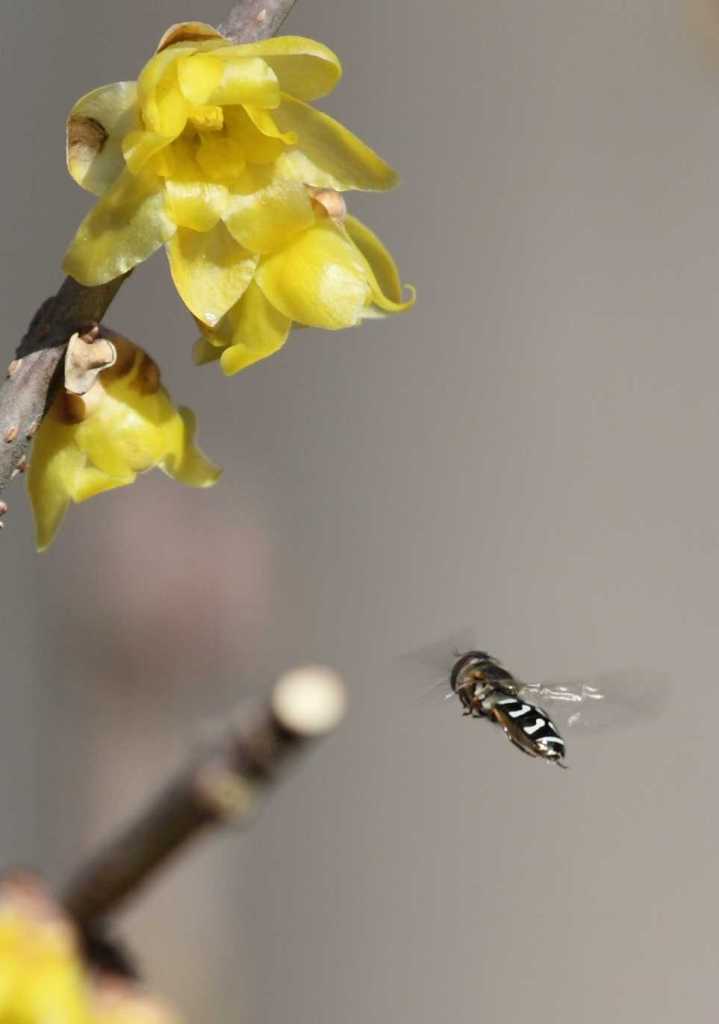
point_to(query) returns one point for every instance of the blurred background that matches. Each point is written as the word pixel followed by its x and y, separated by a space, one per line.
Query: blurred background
pixel 532 451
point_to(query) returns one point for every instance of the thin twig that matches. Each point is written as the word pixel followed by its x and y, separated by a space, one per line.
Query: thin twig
pixel 224 783
pixel 27 391
pixel 251 20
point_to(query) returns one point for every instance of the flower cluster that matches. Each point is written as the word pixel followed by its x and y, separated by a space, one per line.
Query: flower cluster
pixel 42 977
pixel 217 154
pixel 124 425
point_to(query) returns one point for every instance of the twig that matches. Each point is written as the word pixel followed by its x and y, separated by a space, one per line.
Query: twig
pixel 251 20
pixel 27 391
pixel 225 783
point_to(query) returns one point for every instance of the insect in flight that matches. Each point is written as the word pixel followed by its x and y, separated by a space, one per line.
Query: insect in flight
pixel 611 700
pixel 487 690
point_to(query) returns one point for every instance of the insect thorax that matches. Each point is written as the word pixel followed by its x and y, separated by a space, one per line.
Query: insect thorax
pixel 476 674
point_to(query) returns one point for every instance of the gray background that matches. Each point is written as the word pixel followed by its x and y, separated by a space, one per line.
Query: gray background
pixel 532 451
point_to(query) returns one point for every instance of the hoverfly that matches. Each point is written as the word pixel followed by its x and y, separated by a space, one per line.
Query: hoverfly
pixel 488 690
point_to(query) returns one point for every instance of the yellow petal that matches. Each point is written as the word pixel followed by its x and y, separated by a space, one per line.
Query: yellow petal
pixel 51 466
pixel 198 76
pixel 140 146
pixel 125 425
pixel 95 129
pixel 319 278
pixel 125 227
pixel 379 259
pixel 59 474
pixel 382 269
pixel 203 351
pixel 210 271
pixel 246 80
pixel 341 159
pixel 198 205
pixel 257 147
pixel 184 461
pixel 220 158
pixel 163 108
pixel 257 331
pixel 266 125
pixel 264 220
pixel 304 67
pixel 91 481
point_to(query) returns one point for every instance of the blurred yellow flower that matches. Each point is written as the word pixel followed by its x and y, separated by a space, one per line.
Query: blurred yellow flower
pixel 41 978
pixel 124 425
pixel 334 274
pixel 209 153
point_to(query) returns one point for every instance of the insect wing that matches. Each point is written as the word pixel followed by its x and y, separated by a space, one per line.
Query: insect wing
pixel 427 668
pixel 614 700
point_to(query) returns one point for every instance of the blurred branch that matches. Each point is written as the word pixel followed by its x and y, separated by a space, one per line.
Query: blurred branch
pixel 27 391
pixel 224 784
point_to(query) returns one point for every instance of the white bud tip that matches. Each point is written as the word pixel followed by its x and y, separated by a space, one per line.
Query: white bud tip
pixel 310 700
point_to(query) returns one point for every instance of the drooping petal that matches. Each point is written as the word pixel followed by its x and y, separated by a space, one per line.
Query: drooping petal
pixel 210 271
pixel 95 129
pixel 319 278
pixel 265 219
pixel 59 474
pixel 125 227
pixel 184 461
pixel 304 67
pixel 342 160
pixel 257 330
pixel 50 467
pixel 378 257
pixel 382 269
pixel 124 425
pixel 203 351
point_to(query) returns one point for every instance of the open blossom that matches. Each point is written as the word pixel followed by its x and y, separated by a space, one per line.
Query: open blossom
pixel 334 274
pixel 124 425
pixel 211 153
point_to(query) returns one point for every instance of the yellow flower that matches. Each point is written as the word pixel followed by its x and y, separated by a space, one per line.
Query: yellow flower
pixel 209 153
pixel 124 425
pixel 41 978
pixel 334 274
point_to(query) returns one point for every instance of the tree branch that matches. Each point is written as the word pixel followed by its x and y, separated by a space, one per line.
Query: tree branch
pixel 224 784
pixel 251 20
pixel 27 391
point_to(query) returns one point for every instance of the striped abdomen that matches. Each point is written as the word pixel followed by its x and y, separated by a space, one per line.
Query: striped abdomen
pixel 529 727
